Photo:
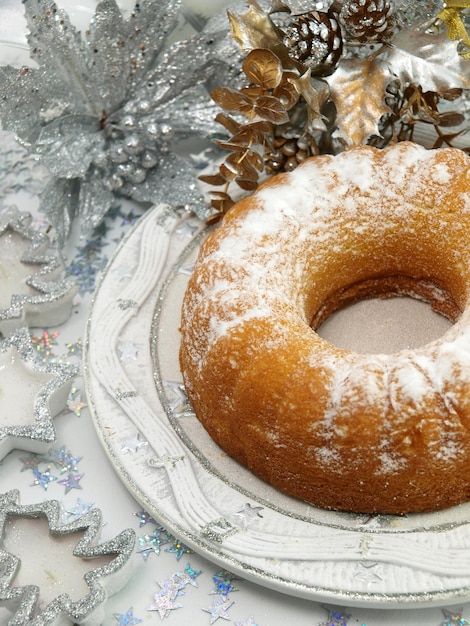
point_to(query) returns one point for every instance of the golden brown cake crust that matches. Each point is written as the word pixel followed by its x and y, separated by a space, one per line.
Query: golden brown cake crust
pixel 385 433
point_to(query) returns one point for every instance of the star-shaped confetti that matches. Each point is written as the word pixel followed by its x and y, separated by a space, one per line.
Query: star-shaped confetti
pixel 223 583
pixel 75 349
pixel 249 622
pixel 76 512
pixel 188 577
pixel 178 549
pixel 127 351
pixel 144 518
pixel 43 479
pixel 127 618
pixel 30 462
pixel 151 543
pixel 454 618
pixel 75 403
pixel 248 514
pixel 336 617
pixel 219 609
pixel 132 444
pixel 164 602
pixel 72 481
pixel 43 345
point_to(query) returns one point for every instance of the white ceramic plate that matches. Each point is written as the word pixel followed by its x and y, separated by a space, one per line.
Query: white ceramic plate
pixel 213 505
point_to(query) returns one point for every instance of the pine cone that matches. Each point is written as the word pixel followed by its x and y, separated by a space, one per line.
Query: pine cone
pixel 314 39
pixel 368 21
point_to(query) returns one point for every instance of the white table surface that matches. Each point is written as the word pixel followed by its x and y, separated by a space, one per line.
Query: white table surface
pixel 247 603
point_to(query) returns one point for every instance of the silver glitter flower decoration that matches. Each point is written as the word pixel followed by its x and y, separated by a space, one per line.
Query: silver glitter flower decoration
pixel 101 581
pixel 31 395
pixel 105 109
pixel 31 277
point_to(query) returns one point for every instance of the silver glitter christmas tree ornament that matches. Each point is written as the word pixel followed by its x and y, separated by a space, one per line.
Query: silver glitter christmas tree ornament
pixel 105 109
pixel 25 601
pixel 33 290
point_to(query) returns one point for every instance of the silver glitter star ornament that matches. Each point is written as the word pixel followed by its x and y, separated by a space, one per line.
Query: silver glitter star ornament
pixel 31 394
pixel 101 582
pixel 105 109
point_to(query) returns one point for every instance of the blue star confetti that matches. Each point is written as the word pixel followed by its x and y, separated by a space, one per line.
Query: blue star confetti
pixel 336 618
pixel 145 518
pixel 152 542
pixel 454 618
pixel 87 264
pixel 223 583
pixel 132 444
pixel 127 618
pixel 43 479
pixel 30 462
pixel 178 549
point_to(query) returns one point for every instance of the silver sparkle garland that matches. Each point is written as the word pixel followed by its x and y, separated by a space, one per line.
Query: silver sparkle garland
pixel 105 110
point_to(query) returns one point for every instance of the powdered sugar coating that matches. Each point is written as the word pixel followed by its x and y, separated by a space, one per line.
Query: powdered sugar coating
pixel 303 238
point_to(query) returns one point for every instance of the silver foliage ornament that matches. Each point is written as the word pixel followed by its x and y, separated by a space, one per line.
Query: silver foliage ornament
pixel 104 109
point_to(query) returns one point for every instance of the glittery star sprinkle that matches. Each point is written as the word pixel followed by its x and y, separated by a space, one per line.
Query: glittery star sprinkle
pixel 179 549
pixel 454 618
pixel 219 609
pixel 129 218
pixel 62 458
pixel 132 444
pixel 75 349
pixel 151 543
pixel 42 345
pixel 74 513
pixel 30 462
pixel 164 601
pixel 127 351
pixel 71 482
pixel 249 622
pixel 43 479
pixel 188 577
pixel 144 518
pixel 336 618
pixel 248 514
pixel 123 271
pixel 86 265
pixel 74 402
pixel 223 583
pixel 127 618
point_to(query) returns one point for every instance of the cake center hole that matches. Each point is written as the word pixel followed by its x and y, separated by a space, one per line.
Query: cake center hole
pixel 380 325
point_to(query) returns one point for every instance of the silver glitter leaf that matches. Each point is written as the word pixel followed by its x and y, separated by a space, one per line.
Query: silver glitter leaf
pixel 101 581
pixel 431 61
pixel 52 382
pixel 69 144
pixel 103 109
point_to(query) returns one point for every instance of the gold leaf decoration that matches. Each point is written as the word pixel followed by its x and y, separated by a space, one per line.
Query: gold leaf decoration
pixel 263 68
pixel 316 93
pixel 357 89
